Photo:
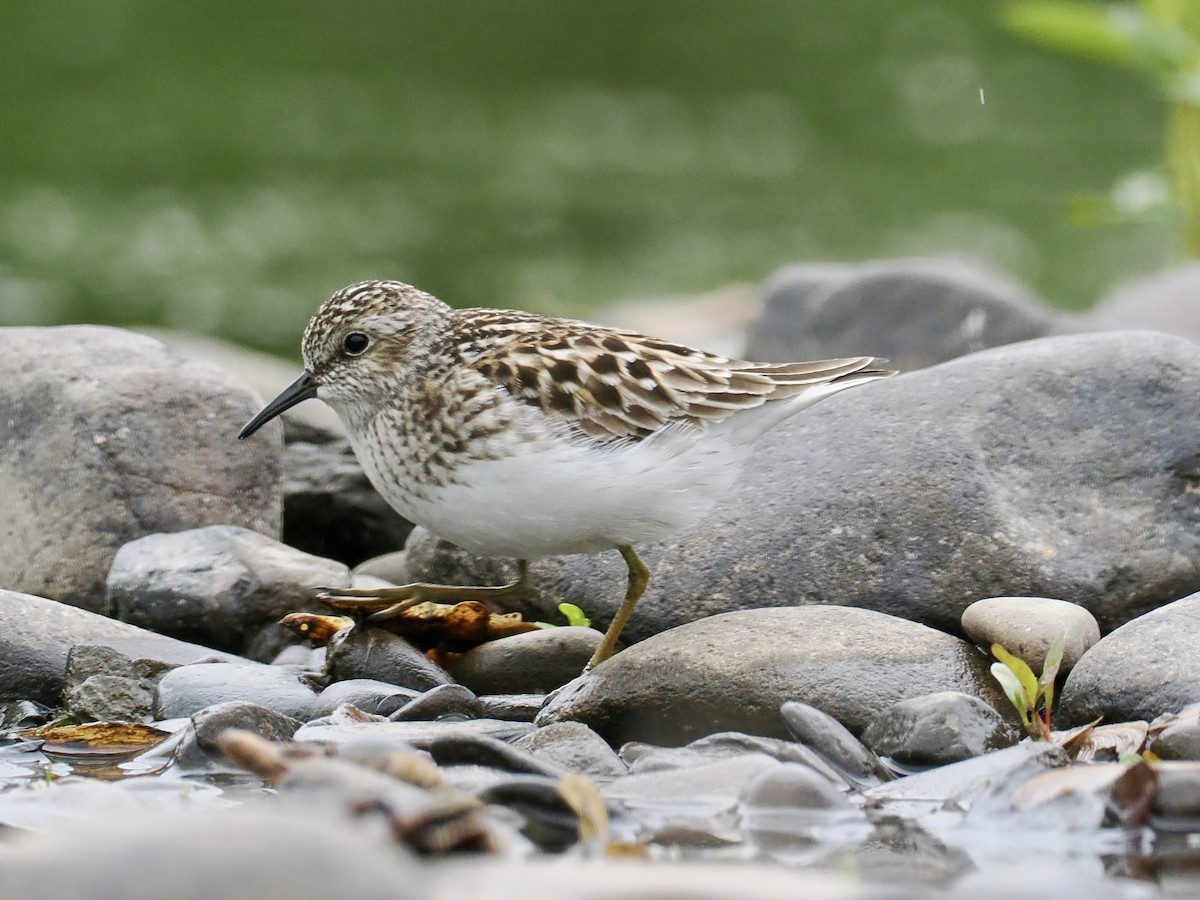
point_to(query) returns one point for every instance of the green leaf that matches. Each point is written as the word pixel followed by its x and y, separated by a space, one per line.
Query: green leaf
pixel 1054 655
pixel 1020 668
pixel 1081 29
pixel 575 615
pixel 1012 689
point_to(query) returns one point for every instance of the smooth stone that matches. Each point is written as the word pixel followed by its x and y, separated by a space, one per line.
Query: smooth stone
pixel 938 729
pixel 391 567
pixel 439 702
pixel 188 689
pixel 420 735
pixel 381 656
pixel 37 636
pixel 733 672
pixel 973 478
pixel 110 436
pixel 1027 626
pixel 330 508
pixel 312 658
pixel 651 758
pixel 1178 742
pixel 1146 667
pixel 914 312
pixel 222 586
pixel 211 721
pixel 791 786
pixel 1163 301
pixel 239 854
pixel 833 742
pixel 1178 795
pixel 513 707
pixel 529 663
pixel 549 820
pixel 376 697
pixel 574 747
pixel 481 750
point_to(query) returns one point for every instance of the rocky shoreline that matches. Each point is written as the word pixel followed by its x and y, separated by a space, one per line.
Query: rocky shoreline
pixel 808 690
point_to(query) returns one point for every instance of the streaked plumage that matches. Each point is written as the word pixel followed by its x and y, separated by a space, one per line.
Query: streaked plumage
pixel 512 434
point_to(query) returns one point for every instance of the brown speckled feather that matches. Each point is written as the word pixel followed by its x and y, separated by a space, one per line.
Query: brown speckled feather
pixel 621 384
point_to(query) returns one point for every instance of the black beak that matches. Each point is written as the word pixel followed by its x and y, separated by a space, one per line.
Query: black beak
pixel 303 388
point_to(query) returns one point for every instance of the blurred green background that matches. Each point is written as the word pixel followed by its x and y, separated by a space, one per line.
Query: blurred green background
pixel 222 167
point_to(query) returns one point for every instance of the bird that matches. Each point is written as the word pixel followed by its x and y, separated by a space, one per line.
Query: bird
pixel 512 434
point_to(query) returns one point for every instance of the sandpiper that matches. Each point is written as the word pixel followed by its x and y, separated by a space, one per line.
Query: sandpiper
pixel 513 434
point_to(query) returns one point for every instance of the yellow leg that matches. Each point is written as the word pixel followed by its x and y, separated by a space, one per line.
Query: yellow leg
pixel 639 576
pixel 385 603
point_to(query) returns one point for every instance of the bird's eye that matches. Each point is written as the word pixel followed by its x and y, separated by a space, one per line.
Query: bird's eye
pixel 356 343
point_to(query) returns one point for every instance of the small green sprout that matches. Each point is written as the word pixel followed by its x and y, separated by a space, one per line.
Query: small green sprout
pixel 1033 697
pixel 575 616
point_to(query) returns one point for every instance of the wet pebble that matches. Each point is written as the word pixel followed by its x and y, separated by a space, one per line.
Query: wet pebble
pixel 938 729
pixel 438 703
pixel 1027 626
pixel 452 749
pixel 534 662
pixel 381 656
pixel 1180 741
pixel 416 734
pixel 376 697
pixel 549 822
pixel 574 747
pixel 650 757
pixel 834 743
pixel 514 707
pixel 189 689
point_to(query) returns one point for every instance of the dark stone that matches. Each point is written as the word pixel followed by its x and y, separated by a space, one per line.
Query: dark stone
pixel 109 436
pixel 512 707
pixel 188 689
pixel 1178 742
pixel 221 586
pixel 1145 668
pixel 37 636
pixel 732 673
pixel 376 697
pixel 480 750
pixel 912 312
pixel 439 702
pixel 382 656
pixel 990 475
pixel 534 662
pixel 330 508
pixel 104 685
pixel 575 748
pixel 211 721
pixel 549 822
pixel 937 729
pixel 833 742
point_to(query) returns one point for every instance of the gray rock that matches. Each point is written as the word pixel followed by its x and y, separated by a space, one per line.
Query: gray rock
pixel 420 735
pixel 1180 741
pixel 382 656
pixel 723 745
pixel 439 702
pixel 512 707
pixel 330 508
pixel 109 436
pixel 534 662
pixel 221 586
pixel 575 747
pixel 37 636
pixel 481 750
pixel 790 786
pixel 1146 667
pixel 913 312
pixel 188 689
pixel 1027 626
pixel 938 729
pixel 1164 301
pixel 732 672
pixel 391 567
pixel 241 854
pixel 105 685
pixel 198 749
pixel 833 742
pixel 990 475
pixel 378 698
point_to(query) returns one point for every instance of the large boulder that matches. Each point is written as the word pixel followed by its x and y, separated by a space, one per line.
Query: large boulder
pixel 109 436
pixel 733 672
pixel 1164 301
pixel 1065 467
pixel 914 312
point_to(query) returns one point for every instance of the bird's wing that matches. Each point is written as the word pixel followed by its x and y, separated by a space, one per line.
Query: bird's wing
pixel 620 384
